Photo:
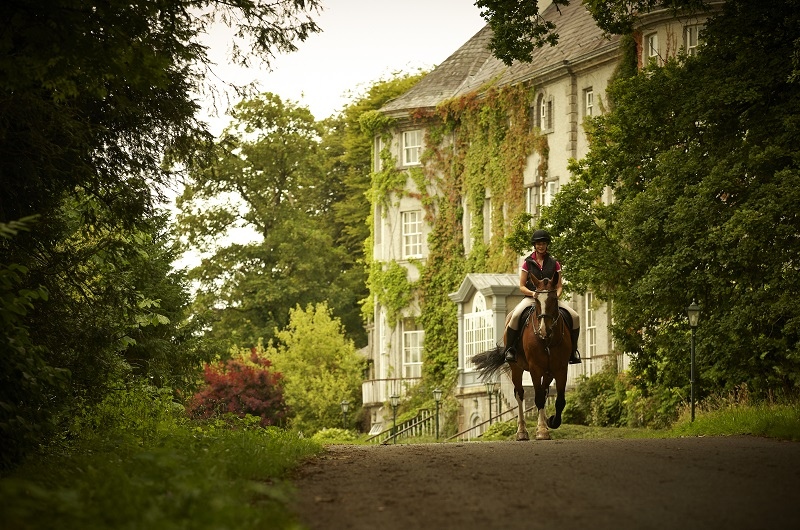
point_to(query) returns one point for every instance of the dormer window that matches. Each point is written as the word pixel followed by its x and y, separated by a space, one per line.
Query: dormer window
pixel 412 147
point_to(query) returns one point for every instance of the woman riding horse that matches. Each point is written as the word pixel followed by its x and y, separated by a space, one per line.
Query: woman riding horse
pixel 541 265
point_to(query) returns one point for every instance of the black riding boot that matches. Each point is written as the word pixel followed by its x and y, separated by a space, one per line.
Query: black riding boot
pixel 575 357
pixel 511 340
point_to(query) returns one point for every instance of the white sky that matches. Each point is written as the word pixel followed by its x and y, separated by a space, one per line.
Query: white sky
pixel 362 41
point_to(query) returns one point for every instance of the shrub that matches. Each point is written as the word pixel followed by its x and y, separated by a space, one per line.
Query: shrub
pixel 610 399
pixel 241 386
pixel 335 436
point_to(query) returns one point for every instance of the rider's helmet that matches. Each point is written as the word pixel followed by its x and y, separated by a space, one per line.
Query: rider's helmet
pixel 540 235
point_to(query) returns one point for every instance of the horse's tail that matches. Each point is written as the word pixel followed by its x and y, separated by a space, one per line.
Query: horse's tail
pixel 490 362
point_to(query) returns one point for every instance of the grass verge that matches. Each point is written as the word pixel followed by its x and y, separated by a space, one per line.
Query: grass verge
pixel 181 475
pixel 771 420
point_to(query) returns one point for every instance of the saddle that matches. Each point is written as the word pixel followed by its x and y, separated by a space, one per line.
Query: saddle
pixel 526 315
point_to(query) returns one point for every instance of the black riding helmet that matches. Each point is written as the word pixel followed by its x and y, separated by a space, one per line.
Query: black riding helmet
pixel 540 235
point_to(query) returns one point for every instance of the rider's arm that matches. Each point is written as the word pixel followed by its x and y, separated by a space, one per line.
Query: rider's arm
pixel 559 287
pixel 523 279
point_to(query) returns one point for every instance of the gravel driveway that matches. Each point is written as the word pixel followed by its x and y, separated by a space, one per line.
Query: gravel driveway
pixel 711 482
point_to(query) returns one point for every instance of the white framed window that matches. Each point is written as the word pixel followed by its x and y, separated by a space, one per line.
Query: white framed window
pixel 378 224
pixel 691 39
pixel 549 191
pixel 412 349
pixel 531 200
pixel 588 102
pixel 591 326
pixel 651 47
pixel 412 147
pixel 412 234
pixel 383 364
pixel 543 118
pixel 479 333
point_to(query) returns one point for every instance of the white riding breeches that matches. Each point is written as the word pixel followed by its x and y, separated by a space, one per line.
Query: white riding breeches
pixel 528 301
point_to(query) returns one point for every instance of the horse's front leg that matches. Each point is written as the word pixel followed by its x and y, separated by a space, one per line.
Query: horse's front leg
pixel 519 393
pixel 542 432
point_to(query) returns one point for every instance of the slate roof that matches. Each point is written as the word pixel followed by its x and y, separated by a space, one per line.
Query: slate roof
pixel 472 65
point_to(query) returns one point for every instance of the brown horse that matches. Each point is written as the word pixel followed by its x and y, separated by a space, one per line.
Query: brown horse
pixel 546 346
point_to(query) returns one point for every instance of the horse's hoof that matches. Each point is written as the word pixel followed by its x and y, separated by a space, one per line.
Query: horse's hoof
pixel 522 437
pixel 543 436
pixel 552 423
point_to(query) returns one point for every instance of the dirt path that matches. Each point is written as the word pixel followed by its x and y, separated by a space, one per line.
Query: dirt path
pixel 730 483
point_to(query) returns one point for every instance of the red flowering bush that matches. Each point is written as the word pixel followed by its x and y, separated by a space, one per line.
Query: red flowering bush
pixel 241 386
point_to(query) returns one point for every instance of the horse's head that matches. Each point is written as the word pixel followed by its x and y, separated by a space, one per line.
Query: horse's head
pixel 545 311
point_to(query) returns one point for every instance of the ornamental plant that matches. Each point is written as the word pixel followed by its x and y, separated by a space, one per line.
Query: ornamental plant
pixel 241 385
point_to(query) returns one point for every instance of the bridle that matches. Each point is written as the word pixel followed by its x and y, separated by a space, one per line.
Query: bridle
pixel 543 315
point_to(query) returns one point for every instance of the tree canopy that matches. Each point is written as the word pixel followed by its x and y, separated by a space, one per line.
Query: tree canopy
pixel 98 111
pixel 701 158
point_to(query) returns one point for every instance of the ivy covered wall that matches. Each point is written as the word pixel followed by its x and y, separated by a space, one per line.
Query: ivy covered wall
pixel 476 146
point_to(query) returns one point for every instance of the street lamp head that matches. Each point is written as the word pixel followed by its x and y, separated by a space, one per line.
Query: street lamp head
pixel 437 395
pixel 694 314
pixel 345 405
pixel 490 387
pixel 394 400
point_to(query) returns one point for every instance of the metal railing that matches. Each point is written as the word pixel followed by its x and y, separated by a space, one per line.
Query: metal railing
pixel 419 425
pixel 476 431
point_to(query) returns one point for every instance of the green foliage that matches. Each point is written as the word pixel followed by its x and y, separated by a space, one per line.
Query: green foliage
pixel 320 368
pixel 774 420
pixel 99 109
pixel 610 399
pixel 267 182
pixel 27 382
pixel 517 28
pixel 389 284
pixel 335 436
pixel 506 430
pixel 101 305
pixel 701 157
pixel 134 461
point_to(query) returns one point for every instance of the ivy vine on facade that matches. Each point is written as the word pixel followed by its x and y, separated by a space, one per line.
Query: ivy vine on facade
pixel 464 162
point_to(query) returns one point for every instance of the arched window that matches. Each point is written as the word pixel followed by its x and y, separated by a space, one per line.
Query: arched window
pixel 544 113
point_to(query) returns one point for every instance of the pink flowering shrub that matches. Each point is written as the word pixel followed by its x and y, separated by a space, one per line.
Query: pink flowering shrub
pixel 241 386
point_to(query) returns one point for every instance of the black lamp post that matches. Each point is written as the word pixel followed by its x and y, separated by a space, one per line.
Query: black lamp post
pixel 394 401
pixel 694 317
pixel 437 397
pixel 490 390
pixel 499 404
pixel 345 407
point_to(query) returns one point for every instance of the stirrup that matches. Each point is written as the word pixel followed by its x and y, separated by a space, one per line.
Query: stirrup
pixel 511 355
pixel 575 357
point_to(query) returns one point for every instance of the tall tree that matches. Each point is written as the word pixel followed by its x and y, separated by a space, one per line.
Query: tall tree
pixel 93 96
pixel 320 367
pixel 267 182
pixel 702 159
